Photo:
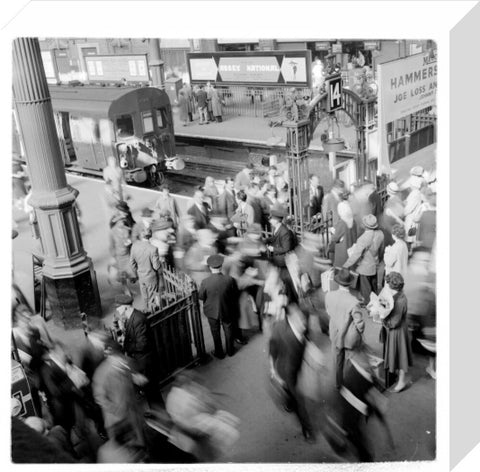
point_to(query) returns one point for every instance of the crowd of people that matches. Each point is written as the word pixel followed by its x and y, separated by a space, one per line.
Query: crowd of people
pixel 254 274
pixel 202 102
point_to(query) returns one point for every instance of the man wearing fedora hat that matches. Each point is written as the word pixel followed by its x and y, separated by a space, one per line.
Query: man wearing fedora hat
pixel 366 255
pixel 346 321
pixel 219 294
pixel 146 219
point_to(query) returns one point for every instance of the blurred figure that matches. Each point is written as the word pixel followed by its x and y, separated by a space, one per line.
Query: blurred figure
pixel 218 225
pixel 210 192
pixel 413 205
pixel 244 214
pixel 366 255
pixel 286 348
pixel 186 237
pixel 346 321
pixel 272 175
pixel 254 200
pixel 19 188
pixel 115 184
pixel 316 195
pixel 396 255
pixel 216 102
pixel 427 225
pixel 145 223
pixel 350 407
pixel 114 391
pixel 251 247
pixel 271 196
pixel 219 294
pixel 397 352
pixel 163 238
pixel 199 210
pixel 123 210
pixel 374 200
pixel 196 257
pixel 120 245
pixel 308 252
pixel 243 178
pixel 393 212
pixel 332 199
pixel 166 203
pixel 145 264
pixel 200 428
pixel 182 102
pixel 344 235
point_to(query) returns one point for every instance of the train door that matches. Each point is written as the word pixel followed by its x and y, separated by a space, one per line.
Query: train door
pixel 86 138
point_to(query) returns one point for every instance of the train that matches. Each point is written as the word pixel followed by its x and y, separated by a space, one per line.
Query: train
pixel 133 124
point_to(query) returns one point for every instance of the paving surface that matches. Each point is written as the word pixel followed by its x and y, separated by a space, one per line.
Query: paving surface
pixel 267 434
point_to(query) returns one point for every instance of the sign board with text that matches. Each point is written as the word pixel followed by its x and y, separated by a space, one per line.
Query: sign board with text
pixel 110 68
pixel 407 85
pixel 251 68
pixel 334 93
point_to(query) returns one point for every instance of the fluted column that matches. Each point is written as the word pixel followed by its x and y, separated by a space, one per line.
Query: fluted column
pixel 156 64
pixel 67 269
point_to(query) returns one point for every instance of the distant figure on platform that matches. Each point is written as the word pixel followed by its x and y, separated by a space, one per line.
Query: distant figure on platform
pixel 201 97
pixel 316 195
pixel 114 178
pixel 216 105
pixel 219 294
pixel 199 210
pixel 183 107
pixel 209 90
pixel 243 178
pixel 190 101
pixel 146 265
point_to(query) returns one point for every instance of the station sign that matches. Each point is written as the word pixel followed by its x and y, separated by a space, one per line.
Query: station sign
pixel 334 93
pixel 322 45
pixel 110 68
pixel 252 67
pixel 371 45
pixel 337 48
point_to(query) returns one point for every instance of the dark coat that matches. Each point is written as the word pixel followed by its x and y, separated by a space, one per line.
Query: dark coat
pixel 200 220
pixel 137 344
pixel 287 353
pixel 220 295
pixel 226 204
pixel 316 201
pixel 256 204
pixel 375 204
pixel 283 241
pixel 342 240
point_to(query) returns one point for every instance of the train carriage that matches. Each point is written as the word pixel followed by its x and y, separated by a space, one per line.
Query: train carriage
pixel 133 124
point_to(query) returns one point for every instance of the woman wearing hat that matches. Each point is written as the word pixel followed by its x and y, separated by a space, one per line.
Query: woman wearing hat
pixel 397 353
pixel 120 245
pixel 366 255
pixel 413 208
pixel 393 211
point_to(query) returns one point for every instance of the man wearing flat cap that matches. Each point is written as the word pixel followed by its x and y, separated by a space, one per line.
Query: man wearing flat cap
pixel 145 264
pixel 219 294
pixel 366 256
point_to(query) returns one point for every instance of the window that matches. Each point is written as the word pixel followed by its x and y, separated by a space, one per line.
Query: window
pixel 160 120
pixel 91 68
pixel 132 66
pixel 125 126
pixel 147 119
pixel 99 67
pixel 141 68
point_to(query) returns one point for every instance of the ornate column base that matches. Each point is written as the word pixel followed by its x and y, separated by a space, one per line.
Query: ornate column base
pixel 71 296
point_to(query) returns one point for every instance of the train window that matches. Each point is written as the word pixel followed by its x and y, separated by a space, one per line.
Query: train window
pixel 147 119
pixel 125 126
pixel 160 120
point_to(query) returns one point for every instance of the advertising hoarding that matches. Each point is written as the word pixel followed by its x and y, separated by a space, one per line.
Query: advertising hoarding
pixel 132 67
pixel 252 67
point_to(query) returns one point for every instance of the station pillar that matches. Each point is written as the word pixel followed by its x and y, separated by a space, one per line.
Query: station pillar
pixel 157 66
pixel 67 270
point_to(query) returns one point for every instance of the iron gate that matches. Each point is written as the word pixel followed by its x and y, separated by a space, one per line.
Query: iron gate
pixel 176 327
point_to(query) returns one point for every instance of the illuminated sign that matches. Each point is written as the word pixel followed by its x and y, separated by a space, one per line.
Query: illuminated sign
pixel 265 67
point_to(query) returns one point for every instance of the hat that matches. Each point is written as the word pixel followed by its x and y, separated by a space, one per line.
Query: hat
pixel 161 225
pixel 147 213
pixel 123 299
pixel 370 222
pixel 339 184
pixel 254 228
pixel 417 170
pixel 122 206
pixel 393 188
pixel 278 211
pixel 215 261
pixel 343 277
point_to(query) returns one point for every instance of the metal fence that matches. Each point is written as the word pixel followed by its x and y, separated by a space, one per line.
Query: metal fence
pixel 176 326
pixel 254 101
